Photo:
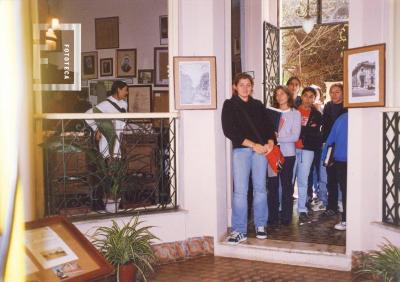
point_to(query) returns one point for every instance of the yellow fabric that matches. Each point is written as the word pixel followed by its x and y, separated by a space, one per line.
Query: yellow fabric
pixel 15 91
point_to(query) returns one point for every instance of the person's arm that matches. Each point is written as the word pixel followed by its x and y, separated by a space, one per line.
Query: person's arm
pixel 294 134
pixel 330 140
pixel 230 129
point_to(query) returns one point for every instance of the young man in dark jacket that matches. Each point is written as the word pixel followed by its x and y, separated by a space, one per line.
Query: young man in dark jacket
pixel 332 111
pixel 309 141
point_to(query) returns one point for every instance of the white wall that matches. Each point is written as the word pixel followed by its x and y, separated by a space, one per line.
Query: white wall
pixel 369 24
pixel 252 40
pixel 138 24
pixel 202 158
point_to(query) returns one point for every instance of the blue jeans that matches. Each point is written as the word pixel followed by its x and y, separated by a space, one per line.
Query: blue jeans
pixel 304 159
pixel 323 179
pixel 244 161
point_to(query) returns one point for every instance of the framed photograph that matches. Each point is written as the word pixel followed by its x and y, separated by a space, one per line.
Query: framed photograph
pixel 106 67
pixel 163 30
pixel 364 76
pixel 56 250
pixel 139 98
pixel 89 65
pixel 160 101
pixel 145 76
pixel 161 66
pixel 126 62
pixel 195 83
pixel 107 33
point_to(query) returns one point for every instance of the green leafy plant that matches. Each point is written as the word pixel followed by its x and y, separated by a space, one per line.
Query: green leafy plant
pixel 125 244
pixel 384 264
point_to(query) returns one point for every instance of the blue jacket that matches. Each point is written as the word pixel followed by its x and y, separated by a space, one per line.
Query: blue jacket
pixel 338 136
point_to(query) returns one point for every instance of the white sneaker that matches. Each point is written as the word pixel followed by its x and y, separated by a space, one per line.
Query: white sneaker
pixel 319 207
pixel 261 233
pixel 340 206
pixel 236 238
pixel 341 226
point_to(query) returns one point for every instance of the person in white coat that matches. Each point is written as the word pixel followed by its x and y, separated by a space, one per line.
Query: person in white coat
pixel 107 131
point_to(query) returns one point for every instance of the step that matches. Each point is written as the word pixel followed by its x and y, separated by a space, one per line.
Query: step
pixel 293 253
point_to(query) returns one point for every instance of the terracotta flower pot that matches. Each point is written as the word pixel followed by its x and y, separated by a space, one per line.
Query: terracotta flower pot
pixel 127 273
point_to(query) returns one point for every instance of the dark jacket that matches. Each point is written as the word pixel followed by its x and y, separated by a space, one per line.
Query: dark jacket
pixel 311 135
pixel 330 114
pixel 236 127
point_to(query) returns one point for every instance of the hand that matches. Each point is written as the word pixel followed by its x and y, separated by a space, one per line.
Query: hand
pixel 98 136
pixel 268 147
pixel 259 149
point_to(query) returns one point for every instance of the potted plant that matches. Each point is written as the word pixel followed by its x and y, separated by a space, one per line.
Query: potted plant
pixel 382 265
pixel 127 248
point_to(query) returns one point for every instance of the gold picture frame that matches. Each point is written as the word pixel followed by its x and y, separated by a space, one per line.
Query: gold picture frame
pixel 364 76
pixel 198 76
pixel 126 62
pixel 139 98
pixel 161 77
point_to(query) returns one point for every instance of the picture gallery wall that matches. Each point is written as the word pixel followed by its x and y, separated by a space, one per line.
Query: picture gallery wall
pixel 128 44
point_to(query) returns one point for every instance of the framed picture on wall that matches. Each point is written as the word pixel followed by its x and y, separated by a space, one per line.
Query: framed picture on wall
pixel 160 101
pixel 139 98
pixel 195 83
pixel 145 76
pixel 126 62
pixel 364 76
pixel 89 65
pixel 161 66
pixel 107 33
pixel 163 30
pixel 106 67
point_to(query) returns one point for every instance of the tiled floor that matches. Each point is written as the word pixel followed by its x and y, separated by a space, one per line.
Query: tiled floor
pixel 318 231
pixel 212 269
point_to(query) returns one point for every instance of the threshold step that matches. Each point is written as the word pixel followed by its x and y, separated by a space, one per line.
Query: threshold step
pixel 293 253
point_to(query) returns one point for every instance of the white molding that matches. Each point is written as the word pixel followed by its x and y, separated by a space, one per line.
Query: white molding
pixel 106 116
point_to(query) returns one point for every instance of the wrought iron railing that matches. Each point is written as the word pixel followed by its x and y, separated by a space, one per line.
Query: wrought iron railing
pixel 97 165
pixel 391 168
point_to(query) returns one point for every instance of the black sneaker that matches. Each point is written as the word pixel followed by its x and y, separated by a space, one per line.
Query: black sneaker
pixel 261 233
pixel 304 218
pixel 328 213
pixel 236 238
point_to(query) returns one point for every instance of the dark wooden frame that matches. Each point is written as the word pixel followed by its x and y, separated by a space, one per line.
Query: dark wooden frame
pixel 117 62
pixel 381 76
pixel 150 97
pixel 111 65
pixel 96 67
pixel 146 70
pixel 164 93
pixel 157 66
pixel 105 40
pixel 163 40
pixel 104 267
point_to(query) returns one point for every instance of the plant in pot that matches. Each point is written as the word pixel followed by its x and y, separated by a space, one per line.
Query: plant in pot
pixel 127 248
pixel 111 167
pixel 382 265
